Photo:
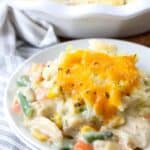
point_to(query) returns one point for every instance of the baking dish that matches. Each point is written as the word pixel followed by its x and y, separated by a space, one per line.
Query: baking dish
pixel 91 20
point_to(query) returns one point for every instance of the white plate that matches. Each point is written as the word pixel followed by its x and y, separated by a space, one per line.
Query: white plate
pixel 94 20
pixel 15 121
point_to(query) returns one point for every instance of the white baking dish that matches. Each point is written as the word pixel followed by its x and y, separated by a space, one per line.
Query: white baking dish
pixel 92 20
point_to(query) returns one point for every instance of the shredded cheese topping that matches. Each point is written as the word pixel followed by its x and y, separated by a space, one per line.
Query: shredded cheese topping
pixel 99 80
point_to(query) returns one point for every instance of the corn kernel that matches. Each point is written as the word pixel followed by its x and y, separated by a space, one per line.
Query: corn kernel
pixel 117 121
pixel 86 128
pixel 58 120
pixel 53 92
pixel 39 136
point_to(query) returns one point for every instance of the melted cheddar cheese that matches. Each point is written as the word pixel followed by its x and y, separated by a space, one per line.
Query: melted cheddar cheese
pixel 98 79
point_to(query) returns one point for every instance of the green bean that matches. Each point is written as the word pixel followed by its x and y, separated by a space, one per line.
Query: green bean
pixel 27 109
pixel 23 80
pixel 92 136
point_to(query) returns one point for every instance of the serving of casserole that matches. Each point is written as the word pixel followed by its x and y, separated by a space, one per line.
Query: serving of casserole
pixel 87 98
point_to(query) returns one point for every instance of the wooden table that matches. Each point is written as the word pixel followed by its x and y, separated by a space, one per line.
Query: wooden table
pixel 143 39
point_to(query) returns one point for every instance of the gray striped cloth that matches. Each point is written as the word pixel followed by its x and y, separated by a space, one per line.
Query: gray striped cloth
pixel 14 25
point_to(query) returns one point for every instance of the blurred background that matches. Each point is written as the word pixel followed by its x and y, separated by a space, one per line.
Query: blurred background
pixel 40 23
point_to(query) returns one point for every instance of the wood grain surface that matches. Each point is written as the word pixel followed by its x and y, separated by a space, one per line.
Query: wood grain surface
pixel 143 39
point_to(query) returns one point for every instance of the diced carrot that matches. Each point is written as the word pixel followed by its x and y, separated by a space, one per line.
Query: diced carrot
pixel 41 93
pixel 80 145
pixel 147 116
pixel 39 77
pixel 15 107
pixel 35 68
